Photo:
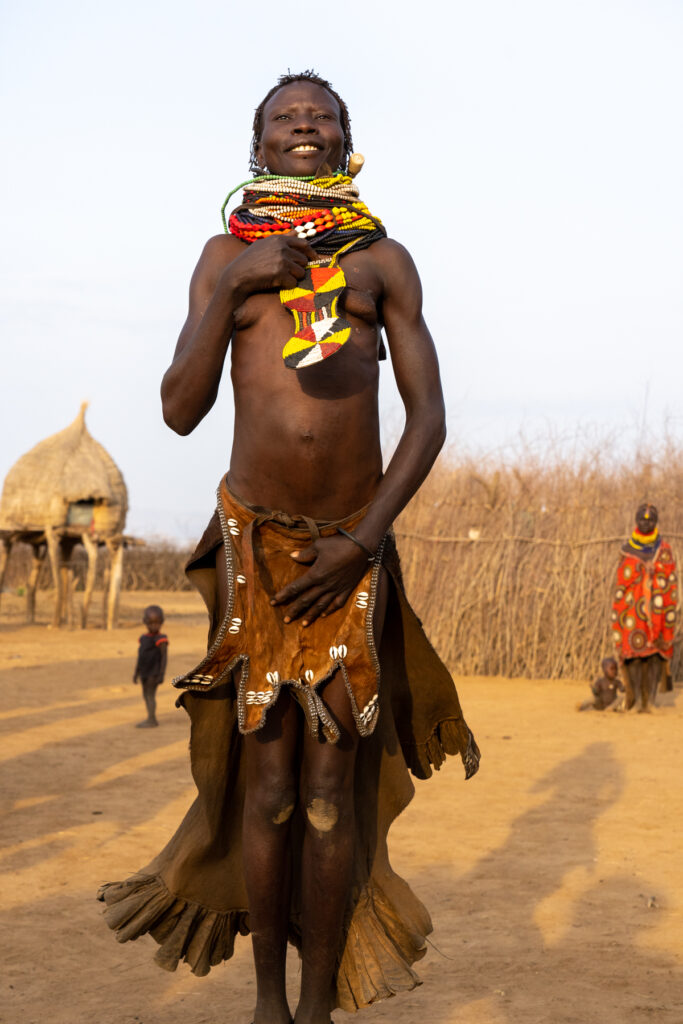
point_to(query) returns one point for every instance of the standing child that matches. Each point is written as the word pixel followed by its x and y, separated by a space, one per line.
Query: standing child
pixel 151 664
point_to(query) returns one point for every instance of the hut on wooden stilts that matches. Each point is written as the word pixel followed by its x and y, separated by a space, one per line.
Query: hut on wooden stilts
pixel 66 491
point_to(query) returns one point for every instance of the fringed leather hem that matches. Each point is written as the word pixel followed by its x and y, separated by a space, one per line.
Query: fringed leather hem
pixel 449 737
pixel 184 930
pixel 379 951
pixel 375 964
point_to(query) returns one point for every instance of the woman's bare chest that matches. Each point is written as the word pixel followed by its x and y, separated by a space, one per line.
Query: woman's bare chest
pixel 359 300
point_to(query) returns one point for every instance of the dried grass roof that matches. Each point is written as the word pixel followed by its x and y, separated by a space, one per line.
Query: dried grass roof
pixel 67 467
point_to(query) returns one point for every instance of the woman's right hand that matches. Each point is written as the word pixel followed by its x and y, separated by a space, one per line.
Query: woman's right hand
pixel 270 263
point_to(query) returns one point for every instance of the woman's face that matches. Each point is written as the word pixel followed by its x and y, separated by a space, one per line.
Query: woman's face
pixel 301 131
pixel 646 518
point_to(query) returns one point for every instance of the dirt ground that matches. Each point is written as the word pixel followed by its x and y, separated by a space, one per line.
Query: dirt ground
pixel 554 878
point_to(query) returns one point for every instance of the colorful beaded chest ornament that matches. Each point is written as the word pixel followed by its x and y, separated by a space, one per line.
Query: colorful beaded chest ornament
pixel 329 215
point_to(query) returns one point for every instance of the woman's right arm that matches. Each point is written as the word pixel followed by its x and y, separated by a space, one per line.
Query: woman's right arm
pixel 227 272
pixel 190 384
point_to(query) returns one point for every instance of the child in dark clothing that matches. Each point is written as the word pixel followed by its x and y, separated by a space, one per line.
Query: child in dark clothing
pixel 605 689
pixel 151 663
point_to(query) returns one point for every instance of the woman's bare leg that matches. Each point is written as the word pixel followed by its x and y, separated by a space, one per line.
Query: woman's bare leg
pixel 327 802
pixel 635 674
pixel 270 799
pixel 653 675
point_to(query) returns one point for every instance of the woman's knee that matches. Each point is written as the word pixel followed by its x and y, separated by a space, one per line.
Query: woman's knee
pixel 271 792
pixel 327 802
pixel 271 800
pixel 324 814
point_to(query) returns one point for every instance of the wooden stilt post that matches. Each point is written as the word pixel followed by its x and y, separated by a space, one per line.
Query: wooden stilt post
pixel 38 557
pixel 116 556
pixel 68 544
pixel 105 590
pixel 5 549
pixel 63 592
pixel 54 553
pixel 91 551
pixel 69 597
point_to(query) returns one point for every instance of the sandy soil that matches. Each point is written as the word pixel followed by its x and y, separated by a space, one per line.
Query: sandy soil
pixel 555 877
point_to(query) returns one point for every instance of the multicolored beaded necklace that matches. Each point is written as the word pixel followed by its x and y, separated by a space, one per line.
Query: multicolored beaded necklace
pixel 646 544
pixel 329 214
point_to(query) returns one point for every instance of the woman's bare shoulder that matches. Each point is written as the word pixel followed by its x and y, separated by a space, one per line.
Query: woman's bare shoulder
pixel 222 249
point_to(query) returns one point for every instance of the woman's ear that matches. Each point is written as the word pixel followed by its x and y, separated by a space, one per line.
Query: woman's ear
pixel 258 155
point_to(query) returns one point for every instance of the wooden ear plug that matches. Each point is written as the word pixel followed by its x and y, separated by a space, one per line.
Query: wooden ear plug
pixel 356 161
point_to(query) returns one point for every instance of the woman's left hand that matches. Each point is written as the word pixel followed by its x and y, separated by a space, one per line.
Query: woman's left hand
pixel 337 566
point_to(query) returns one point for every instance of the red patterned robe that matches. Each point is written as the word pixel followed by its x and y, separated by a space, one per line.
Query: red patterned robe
pixel 644 608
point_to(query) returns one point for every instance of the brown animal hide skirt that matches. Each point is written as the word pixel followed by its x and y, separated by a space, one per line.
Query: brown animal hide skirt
pixel 192 897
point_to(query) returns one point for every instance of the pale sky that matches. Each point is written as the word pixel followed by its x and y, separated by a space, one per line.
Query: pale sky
pixel 529 154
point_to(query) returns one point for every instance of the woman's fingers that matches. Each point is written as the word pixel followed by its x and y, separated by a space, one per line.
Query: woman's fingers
pixel 339 601
pixel 317 609
pixel 303 603
pixel 314 604
pixel 301 245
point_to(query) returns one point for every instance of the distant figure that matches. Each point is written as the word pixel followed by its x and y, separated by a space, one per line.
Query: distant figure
pixel 644 610
pixel 151 664
pixel 606 689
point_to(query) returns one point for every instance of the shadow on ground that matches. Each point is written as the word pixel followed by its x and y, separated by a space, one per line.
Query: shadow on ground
pixel 563 931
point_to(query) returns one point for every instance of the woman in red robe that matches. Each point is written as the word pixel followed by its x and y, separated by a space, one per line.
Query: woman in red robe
pixel 644 609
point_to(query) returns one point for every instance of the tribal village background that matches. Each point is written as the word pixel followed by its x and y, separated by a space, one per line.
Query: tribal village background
pixel 529 154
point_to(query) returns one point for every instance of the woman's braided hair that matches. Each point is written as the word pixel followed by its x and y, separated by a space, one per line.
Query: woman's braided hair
pixel 302 76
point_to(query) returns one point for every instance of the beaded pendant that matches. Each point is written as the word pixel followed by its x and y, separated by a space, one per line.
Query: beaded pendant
pixel 320 332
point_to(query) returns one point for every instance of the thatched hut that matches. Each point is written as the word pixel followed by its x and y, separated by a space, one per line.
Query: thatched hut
pixel 65 491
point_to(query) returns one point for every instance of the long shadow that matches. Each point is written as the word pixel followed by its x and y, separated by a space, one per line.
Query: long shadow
pixel 46 790
pixel 583 962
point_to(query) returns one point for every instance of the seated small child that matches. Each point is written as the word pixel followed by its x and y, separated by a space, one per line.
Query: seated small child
pixel 151 663
pixel 605 689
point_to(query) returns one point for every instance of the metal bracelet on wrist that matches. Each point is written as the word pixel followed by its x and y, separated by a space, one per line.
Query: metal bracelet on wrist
pixel 371 554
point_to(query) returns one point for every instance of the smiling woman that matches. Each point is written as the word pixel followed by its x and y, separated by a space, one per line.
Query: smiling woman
pixel 331 109
pixel 319 691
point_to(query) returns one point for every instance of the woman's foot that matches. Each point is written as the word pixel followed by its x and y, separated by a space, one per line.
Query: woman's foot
pixel 305 1018
pixel 149 723
pixel 272 1013
pixel 288 1021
